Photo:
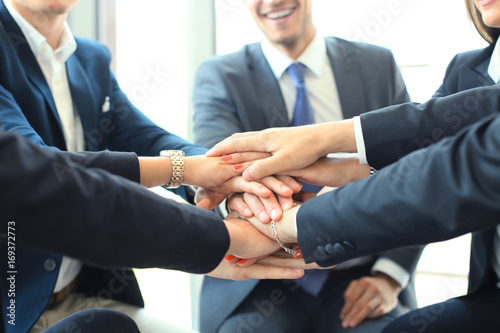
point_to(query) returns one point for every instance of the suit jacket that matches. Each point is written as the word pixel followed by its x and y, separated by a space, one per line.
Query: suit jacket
pixel 114 222
pixel 466 71
pixel 238 92
pixel 27 107
pixel 435 193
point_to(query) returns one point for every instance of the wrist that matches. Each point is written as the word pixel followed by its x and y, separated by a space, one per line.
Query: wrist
pixel 155 171
pixel 337 137
pixel 286 228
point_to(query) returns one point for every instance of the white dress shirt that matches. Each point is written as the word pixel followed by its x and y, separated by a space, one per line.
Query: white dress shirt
pixel 53 67
pixel 325 101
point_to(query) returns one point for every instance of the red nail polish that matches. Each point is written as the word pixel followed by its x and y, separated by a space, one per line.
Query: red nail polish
pixel 298 255
pixel 242 261
pixel 237 166
pixel 229 257
pixel 226 158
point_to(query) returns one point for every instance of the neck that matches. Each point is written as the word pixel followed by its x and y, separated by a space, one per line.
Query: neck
pixel 51 26
pixel 295 49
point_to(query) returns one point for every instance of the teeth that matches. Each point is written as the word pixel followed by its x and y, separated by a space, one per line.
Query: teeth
pixel 279 14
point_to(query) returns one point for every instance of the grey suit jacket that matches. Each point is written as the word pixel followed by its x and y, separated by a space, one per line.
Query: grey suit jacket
pixel 238 92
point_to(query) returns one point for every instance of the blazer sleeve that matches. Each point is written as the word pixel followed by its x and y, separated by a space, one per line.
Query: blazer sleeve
pixel 395 131
pixel 127 225
pixel 433 194
pixel 215 116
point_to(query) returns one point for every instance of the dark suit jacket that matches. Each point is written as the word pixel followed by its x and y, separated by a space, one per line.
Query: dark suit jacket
pixel 436 193
pixel 27 107
pixel 421 125
pixel 113 222
pixel 238 92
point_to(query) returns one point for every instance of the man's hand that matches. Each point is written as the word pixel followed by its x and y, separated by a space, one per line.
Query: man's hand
pixel 291 148
pixel 332 171
pixel 369 297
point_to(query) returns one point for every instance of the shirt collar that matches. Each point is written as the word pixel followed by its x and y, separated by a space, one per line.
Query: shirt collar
pixel 494 66
pixel 37 41
pixel 313 56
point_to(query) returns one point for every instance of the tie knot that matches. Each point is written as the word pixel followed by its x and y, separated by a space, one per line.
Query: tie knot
pixel 297 73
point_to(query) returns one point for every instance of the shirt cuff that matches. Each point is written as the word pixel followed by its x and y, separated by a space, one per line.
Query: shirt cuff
pixel 394 270
pixel 360 141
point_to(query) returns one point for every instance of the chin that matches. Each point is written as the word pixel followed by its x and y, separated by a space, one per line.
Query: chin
pixel 492 21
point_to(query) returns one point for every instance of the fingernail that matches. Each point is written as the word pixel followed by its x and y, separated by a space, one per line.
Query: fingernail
pixel 247 212
pixel 274 214
pixel 262 216
pixel 250 174
pixel 209 152
pixel 229 257
pixel 344 324
pixel 298 254
pixel 226 158
pixel 298 270
pixel 287 205
pixel 242 261
pixel 237 166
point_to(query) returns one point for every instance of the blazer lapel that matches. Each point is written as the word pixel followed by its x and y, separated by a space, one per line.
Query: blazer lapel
pixel 475 73
pixel 348 78
pixel 83 99
pixel 27 59
pixel 268 89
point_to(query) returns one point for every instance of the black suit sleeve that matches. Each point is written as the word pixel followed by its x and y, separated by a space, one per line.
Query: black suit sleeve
pixel 395 131
pixel 100 218
pixel 433 194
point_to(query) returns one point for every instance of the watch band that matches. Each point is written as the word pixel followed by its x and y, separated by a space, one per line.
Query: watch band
pixel 177 159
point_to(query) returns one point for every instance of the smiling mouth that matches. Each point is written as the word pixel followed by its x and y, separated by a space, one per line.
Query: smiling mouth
pixel 279 14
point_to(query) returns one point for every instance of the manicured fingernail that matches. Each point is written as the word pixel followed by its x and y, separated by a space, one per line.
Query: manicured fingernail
pixel 237 166
pixel 247 212
pixel 298 254
pixel 242 261
pixel 229 257
pixel 262 216
pixel 226 158
pixel 274 214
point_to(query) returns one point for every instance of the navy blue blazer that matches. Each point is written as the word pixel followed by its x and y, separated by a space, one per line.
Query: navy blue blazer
pixel 27 107
pixel 238 92
pixel 422 125
pixel 115 223
pixel 435 193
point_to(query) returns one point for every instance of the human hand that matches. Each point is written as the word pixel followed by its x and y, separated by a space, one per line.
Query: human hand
pixel 285 227
pixel 266 188
pixel 265 209
pixel 333 171
pixel 291 148
pixel 283 268
pixel 369 297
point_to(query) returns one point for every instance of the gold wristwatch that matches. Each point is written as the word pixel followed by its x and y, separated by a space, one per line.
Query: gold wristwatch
pixel 177 159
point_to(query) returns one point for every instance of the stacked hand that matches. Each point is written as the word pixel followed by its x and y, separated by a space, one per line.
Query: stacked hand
pixel 302 153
